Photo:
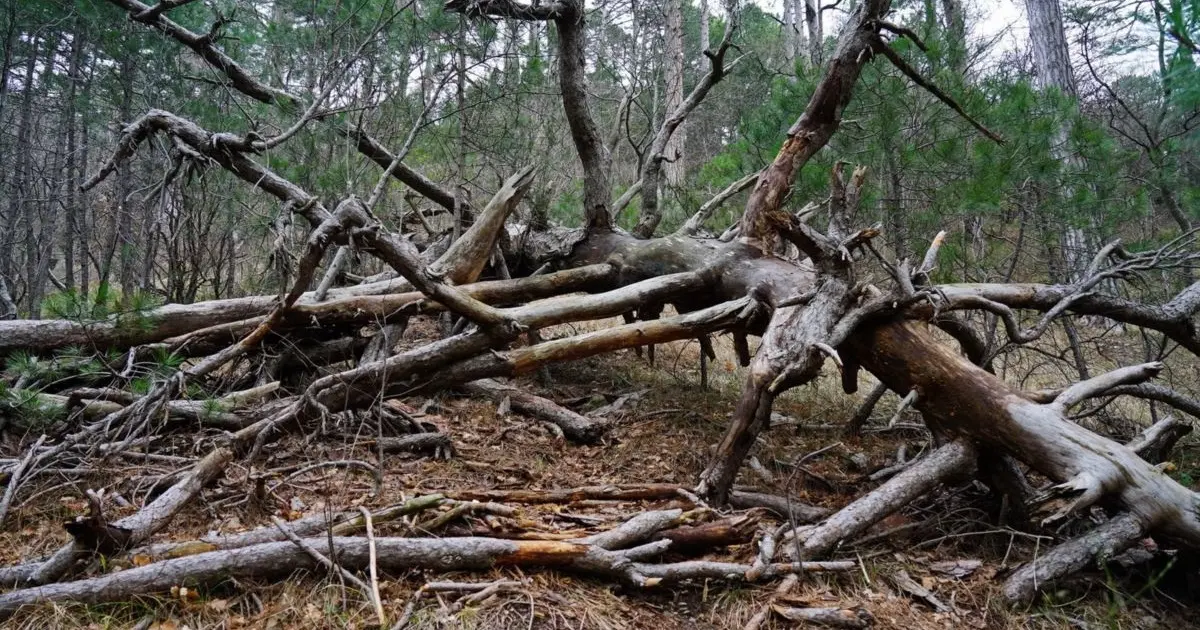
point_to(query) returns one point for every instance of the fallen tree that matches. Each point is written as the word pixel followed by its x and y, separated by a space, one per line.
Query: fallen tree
pixel 808 310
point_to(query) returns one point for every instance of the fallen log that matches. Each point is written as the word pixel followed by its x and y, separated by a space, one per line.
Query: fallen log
pixel 226 321
pixel 138 528
pixel 724 532
pixel 782 506
pixel 953 459
pixel 829 617
pixel 575 427
pixel 638 492
pixel 1092 548
pixel 340 524
pixel 274 560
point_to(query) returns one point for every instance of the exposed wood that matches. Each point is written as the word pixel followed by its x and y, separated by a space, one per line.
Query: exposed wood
pixel 821 117
pixel 733 530
pixel 394 555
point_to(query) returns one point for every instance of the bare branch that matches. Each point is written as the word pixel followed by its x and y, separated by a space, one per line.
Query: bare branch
pixel 651 175
pixel 882 48
pixel 241 80
pixel 1097 386
pixel 696 221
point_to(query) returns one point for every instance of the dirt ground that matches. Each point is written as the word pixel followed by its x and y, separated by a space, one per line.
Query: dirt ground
pixel 665 426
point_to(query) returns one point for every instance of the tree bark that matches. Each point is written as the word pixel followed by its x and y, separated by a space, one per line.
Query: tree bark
pixel 675 166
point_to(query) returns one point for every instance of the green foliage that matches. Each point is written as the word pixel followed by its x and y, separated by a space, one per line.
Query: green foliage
pixel 929 170
pixel 103 304
pixel 27 409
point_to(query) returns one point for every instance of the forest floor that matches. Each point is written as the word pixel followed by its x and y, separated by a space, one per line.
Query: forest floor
pixel 954 543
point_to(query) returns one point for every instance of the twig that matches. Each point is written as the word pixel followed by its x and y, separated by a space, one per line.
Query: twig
pixel 882 48
pixel 326 562
pixel 15 479
pixel 907 402
pixel 373 564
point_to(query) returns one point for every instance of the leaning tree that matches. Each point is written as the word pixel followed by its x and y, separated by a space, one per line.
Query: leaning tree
pixel 807 292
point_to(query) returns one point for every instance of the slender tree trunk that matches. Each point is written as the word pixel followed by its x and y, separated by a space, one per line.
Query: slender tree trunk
pixel 675 166
pixel 121 220
pixel 86 213
pixel 789 27
pixel 41 219
pixel 10 38
pixel 816 36
pixel 956 35
pixel 461 100
pixel 705 17
pixel 124 237
pixel 1053 60
pixel 897 224
pixel 18 192
pixel 71 231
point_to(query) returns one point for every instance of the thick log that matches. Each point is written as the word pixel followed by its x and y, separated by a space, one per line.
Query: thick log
pixel 225 321
pixel 412 443
pixel 341 524
pixel 959 398
pixel 393 555
pixel 1096 546
pixel 279 559
pixel 948 461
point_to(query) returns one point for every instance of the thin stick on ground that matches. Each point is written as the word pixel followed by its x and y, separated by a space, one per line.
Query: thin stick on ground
pixel 373 564
pixel 331 566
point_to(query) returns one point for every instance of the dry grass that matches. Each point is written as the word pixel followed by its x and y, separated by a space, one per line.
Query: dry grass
pixel 664 433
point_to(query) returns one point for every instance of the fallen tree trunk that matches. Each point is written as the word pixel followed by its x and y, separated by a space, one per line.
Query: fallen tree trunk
pixel 1094 547
pixel 808 312
pixel 394 555
pixel 959 398
pixel 955 458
